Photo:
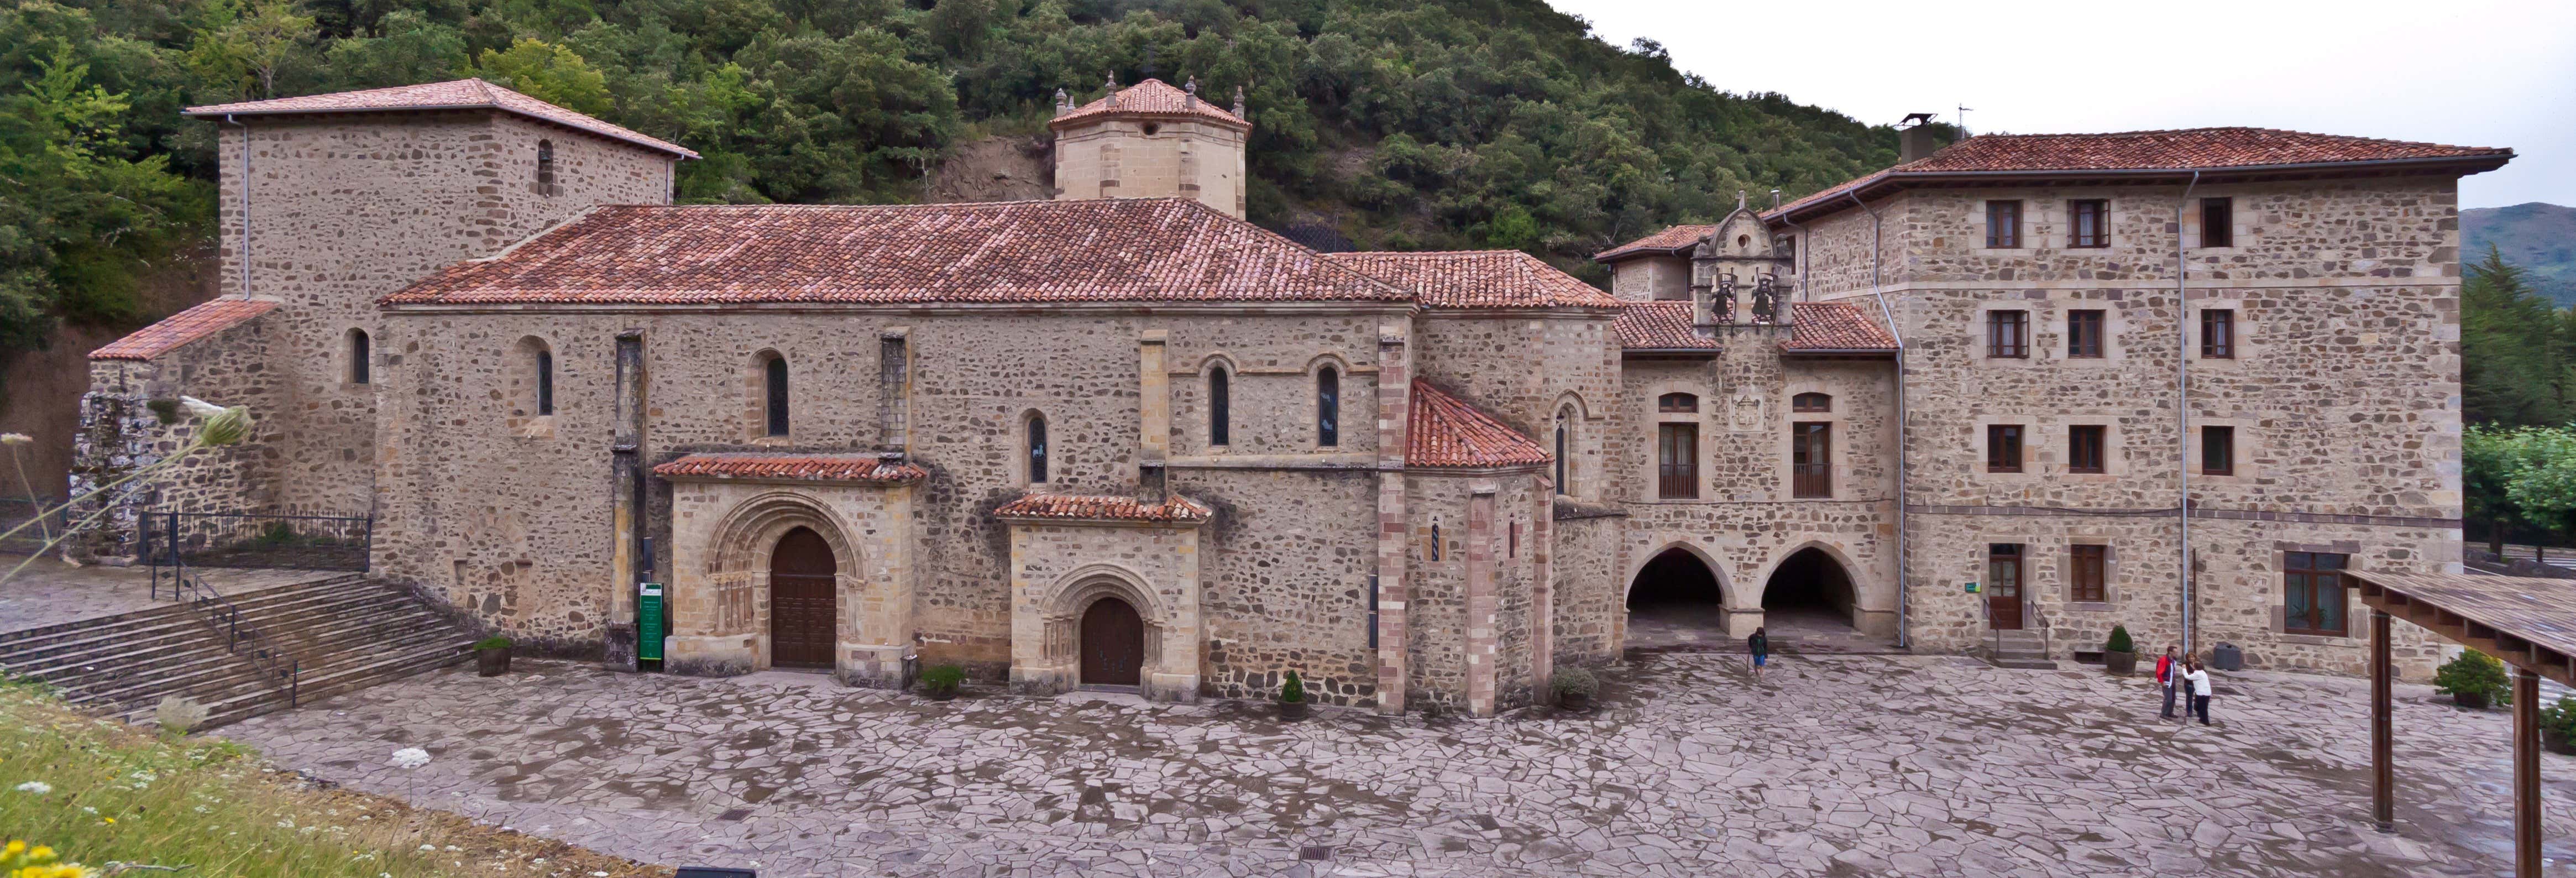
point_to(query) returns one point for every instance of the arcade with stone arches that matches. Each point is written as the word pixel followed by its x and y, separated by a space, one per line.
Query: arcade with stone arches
pixel 1681 596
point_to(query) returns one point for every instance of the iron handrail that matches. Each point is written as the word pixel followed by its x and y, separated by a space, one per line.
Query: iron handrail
pixel 221 614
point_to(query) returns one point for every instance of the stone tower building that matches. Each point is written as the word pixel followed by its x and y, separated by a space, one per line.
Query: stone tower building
pixel 1151 140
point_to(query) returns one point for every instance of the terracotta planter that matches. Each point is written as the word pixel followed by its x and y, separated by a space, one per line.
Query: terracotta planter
pixel 1574 702
pixel 1293 711
pixel 2470 700
pixel 492 662
pixel 2121 663
pixel 939 693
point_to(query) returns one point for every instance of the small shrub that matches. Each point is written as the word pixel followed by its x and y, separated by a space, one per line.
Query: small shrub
pixel 493 642
pixel 277 533
pixel 179 713
pixel 2120 640
pixel 942 678
pixel 2560 718
pixel 1292 690
pixel 2474 673
pixel 1576 681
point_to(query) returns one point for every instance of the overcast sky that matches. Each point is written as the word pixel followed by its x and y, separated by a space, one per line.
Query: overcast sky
pixel 2467 72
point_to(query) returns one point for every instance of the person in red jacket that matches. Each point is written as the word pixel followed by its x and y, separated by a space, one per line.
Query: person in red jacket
pixel 2169 675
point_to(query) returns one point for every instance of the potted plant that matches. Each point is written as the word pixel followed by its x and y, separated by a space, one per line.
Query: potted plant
pixel 1574 689
pixel 939 682
pixel 2474 680
pixel 2119 654
pixel 2558 726
pixel 492 656
pixel 1292 698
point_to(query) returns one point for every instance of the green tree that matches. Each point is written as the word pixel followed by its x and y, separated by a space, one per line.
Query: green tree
pixel 549 73
pixel 244 46
pixel 2542 484
pixel 2513 348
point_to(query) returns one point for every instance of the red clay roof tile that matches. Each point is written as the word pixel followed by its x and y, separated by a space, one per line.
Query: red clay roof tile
pixel 1175 509
pixel 1152 97
pixel 1835 326
pixel 456 94
pixel 1444 431
pixel 791 467
pixel 1118 250
pixel 1673 240
pixel 179 329
pixel 1659 326
pixel 1477 279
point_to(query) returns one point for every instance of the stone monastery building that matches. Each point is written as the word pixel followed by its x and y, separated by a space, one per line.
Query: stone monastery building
pixel 2004 395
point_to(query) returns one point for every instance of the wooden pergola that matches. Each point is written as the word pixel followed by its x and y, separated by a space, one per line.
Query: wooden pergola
pixel 2529 623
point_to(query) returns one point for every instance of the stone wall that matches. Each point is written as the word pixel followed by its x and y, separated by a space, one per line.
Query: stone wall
pixel 123 429
pixel 1647 278
pixel 1590 589
pixel 1117 157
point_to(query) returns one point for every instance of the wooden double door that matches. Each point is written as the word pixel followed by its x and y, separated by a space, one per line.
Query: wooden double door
pixel 802 587
pixel 1113 644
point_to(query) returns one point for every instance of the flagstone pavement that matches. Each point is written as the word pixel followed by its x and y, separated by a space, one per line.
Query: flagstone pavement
pixel 1835 765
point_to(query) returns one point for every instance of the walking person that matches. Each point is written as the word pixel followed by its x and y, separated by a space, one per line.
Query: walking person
pixel 1760 644
pixel 2198 677
pixel 2169 676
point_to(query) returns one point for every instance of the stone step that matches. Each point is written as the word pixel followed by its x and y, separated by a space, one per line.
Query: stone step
pixel 2025 664
pixel 355 622
pixel 250 684
pixel 135 628
pixel 14 640
pixel 179 634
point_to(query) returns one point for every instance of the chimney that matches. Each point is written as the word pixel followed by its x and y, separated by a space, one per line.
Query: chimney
pixel 1191 102
pixel 1112 88
pixel 1914 142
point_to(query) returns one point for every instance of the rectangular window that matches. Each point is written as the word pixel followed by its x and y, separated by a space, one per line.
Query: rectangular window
pixel 1811 459
pixel 1677 461
pixel 2218 222
pixel 2088 223
pixel 1788 247
pixel 2312 593
pixel 2008 333
pixel 2003 448
pixel 2084 448
pixel 2217 334
pixel 2084 574
pixel 2003 224
pixel 2084 334
pixel 2217 451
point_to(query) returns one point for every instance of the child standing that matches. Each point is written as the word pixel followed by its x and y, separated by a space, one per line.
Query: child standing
pixel 1760 644
pixel 2198 677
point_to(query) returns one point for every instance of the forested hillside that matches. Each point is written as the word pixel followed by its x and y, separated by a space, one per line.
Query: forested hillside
pixel 1435 124
pixel 2538 238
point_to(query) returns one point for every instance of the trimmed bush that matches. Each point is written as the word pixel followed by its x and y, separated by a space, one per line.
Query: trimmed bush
pixel 1292 690
pixel 493 642
pixel 1576 681
pixel 942 678
pixel 2120 641
pixel 2474 674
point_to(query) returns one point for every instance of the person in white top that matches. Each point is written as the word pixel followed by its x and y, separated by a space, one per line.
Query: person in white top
pixel 2198 677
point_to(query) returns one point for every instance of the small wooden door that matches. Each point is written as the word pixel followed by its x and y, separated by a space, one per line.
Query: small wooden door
pixel 2003 585
pixel 1113 644
pixel 801 587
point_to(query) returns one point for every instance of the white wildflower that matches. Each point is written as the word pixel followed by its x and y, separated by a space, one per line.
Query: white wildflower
pixel 37 787
pixel 16 439
pixel 410 757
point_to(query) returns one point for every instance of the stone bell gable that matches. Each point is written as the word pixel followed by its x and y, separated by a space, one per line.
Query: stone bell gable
pixel 1738 274
pixel 1152 140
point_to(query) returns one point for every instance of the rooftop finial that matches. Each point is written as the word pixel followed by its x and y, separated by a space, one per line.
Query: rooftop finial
pixel 1193 85
pixel 1238 104
pixel 1191 100
pixel 1739 199
pixel 1063 103
pixel 1112 87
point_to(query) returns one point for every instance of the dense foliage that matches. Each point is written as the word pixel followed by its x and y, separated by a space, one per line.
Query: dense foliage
pixel 1442 123
pixel 2518 392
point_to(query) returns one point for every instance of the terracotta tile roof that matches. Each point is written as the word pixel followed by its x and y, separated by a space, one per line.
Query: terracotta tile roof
pixel 1477 279
pixel 1443 430
pixel 1659 326
pixel 2190 149
pixel 179 329
pixel 1152 97
pixel 1671 240
pixel 791 467
pixel 1119 250
pixel 458 94
pixel 1176 509
pixel 1836 326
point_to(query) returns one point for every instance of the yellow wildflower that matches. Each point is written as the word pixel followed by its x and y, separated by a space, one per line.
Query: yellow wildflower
pixel 15 848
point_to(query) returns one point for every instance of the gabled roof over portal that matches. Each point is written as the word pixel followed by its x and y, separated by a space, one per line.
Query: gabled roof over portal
pixel 457 94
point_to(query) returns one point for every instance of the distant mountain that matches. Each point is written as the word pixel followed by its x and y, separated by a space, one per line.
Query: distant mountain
pixel 2539 237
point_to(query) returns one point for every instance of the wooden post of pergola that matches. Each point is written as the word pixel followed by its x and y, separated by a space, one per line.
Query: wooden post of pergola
pixel 2528 623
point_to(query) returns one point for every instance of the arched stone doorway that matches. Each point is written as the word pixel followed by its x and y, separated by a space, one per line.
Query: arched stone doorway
pixel 803 583
pixel 1808 588
pixel 1112 644
pixel 1675 600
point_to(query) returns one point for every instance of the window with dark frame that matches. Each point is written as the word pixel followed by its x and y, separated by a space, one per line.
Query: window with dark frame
pixel 2217 451
pixel 1811 459
pixel 1037 453
pixel 1220 407
pixel 2088 223
pixel 359 365
pixel 545 167
pixel 2003 225
pixel 1328 407
pixel 1811 402
pixel 2218 333
pixel 2008 334
pixel 1677 403
pixel 2218 222
pixel 2084 580
pixel 1560 458
pixel 2003 448
pixel 2084 333
pixel 1677 461
pixel 545 382
pixel 2084 448
pixel 774 396
pixel 2312 593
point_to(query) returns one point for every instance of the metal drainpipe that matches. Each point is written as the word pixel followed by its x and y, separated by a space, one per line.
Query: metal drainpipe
pixel 2182 409
pixel 244 255
pixel 1904 634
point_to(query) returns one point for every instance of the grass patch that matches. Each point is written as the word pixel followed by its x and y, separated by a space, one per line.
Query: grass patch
pixel 99 791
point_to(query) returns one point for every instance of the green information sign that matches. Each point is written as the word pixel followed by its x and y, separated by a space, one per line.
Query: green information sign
pixel 1972 587
pixel 649 622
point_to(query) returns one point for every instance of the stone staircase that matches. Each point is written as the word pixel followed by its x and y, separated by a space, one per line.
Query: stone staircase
pixel 342 633
pixel 2024 649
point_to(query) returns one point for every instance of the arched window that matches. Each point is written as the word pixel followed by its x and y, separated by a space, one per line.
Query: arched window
pixel 1037 449
pixel 1328 407
pixel 1677 402
pixel 1220 405
pixel 545 382
pixel 358 364
pixel 1560 455
pixel 774 395
pixel 545 167
pixel 1435 541
pixel 1811 402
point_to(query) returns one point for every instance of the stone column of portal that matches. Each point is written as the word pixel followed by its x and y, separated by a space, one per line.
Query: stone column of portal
pixel 1394 399
pixel 1154 397
pixel 1542 593
pixel 1481 653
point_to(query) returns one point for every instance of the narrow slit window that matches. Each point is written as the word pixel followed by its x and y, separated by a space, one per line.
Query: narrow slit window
pixel 1328 407
pixel 545 167
pixel 1560 456
pixel 359 365
pixel 774 395
pixel 545 382
pixel 1037 461
pixel 1220 405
